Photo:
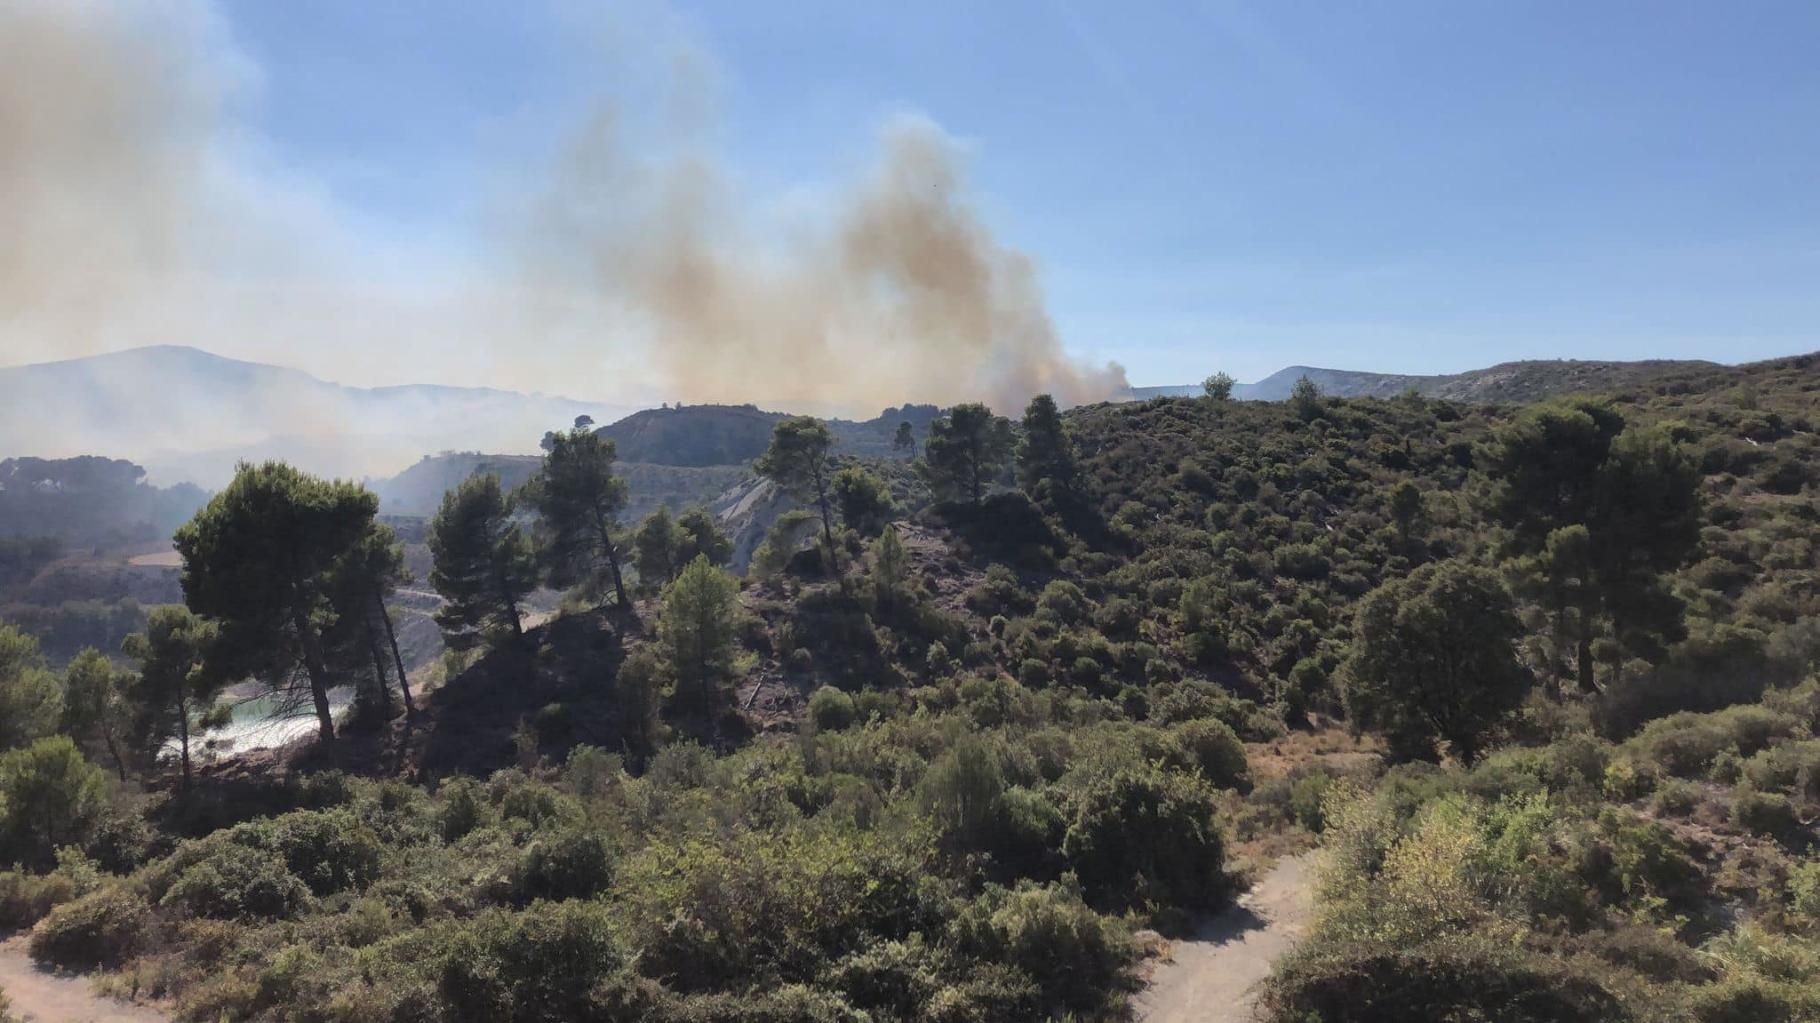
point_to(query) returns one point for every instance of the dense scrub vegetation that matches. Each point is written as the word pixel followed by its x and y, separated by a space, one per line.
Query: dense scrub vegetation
pixel 984 710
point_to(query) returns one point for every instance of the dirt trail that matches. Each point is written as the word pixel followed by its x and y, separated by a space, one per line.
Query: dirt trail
pixel 38 996
pixel 1211 977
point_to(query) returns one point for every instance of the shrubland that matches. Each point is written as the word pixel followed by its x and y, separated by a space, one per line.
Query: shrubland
pixel 1539 680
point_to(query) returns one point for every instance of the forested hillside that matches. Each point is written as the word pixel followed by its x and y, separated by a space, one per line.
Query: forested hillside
pixel 977 731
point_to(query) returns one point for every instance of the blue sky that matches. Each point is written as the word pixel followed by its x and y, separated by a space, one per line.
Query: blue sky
pixel 1398 186
pixel 1402 186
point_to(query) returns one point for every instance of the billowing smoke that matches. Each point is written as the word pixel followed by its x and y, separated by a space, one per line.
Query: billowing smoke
pixel 137 207
pixel 899 293
pixel 105 129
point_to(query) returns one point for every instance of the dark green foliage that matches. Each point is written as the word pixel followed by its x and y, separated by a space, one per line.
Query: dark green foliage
pixel 231 881
pixel 258 559
pixel 95 708
pixel 49 797
pixel 484 564
pixel 702 537
pixel 1046 467
pixel 1215 750
pixel 831 709
pixel 655 546
pixel 1453 983
pixel 31 702
pixel 865 504
pixel 548 964
pixel 1598 512
pixel 1218 387
pixel 101 929
pixel 800 463
pixel 965 453
pixel 1146 837
pixel 1047 934
pixel 1434 659
pixel 575 863
pixel 696 631
pixel 180 679
pixel 578 499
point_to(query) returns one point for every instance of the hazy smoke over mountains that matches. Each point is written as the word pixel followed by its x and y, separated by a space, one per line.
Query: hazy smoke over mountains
pixel 138 208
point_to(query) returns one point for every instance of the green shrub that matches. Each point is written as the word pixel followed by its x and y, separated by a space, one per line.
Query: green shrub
pixel 1452 981
pixel 831 709
pixel 25 898
pixel 1308 800
pixel 1215 750
pixel 549 962
pixel 1046 933
pixel 1677 798
pixel 231 881
pixel 892 979
pixel 103 928
pixel 330 851
pixel 1144 837
pixel 1029 828
pixel 464 808
pixel 576 863
pixel 1753 1000
pixel 49 797
pixel 1765 813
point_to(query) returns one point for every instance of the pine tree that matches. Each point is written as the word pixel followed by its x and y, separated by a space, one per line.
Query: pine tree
pixel 579 500
pixel 703 537
pixel 1045 456
pixel 483 564
pixel 696 633
pixel 31 701
pixel 865 503
pixel 965 452
pixel 798 461
pixel 179 681
pixel 655 547
pixel 1598 514
pixel 94 711
pixel 258 559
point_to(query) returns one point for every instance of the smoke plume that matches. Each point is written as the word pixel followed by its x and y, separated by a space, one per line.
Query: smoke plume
pixel 901 293
pixel 140 206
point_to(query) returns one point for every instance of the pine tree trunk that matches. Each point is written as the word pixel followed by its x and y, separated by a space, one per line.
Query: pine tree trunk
pixel 183 738
pixel 404 680
pixel 318 672
pixel 385 688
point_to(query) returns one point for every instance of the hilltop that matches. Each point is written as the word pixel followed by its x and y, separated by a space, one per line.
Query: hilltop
pixel 1529 380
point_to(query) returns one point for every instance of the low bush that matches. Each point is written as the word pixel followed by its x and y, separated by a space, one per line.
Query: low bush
pixel 576 863
pixel 103 928
pixel 25 898
pixel 831 709
pixel 1215 750
pixel 1765 813
pixel 1466 980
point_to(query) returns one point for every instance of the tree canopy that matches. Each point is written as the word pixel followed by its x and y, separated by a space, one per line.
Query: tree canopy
pixel 483 564
pixel 966 451
pixel 1434 658
pixel 579 499
pixel 259 559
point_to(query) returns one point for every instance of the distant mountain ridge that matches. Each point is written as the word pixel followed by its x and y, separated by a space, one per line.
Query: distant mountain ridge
pixel 189 415
pixel 1528 380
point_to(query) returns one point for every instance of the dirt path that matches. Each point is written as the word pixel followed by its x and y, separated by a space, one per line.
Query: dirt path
pixel 1210 978
pixel 41 997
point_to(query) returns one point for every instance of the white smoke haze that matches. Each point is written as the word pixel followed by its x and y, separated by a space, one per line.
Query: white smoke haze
pixel 140 208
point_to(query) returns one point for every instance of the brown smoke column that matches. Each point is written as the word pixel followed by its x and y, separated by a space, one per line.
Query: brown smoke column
pixel 902 295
